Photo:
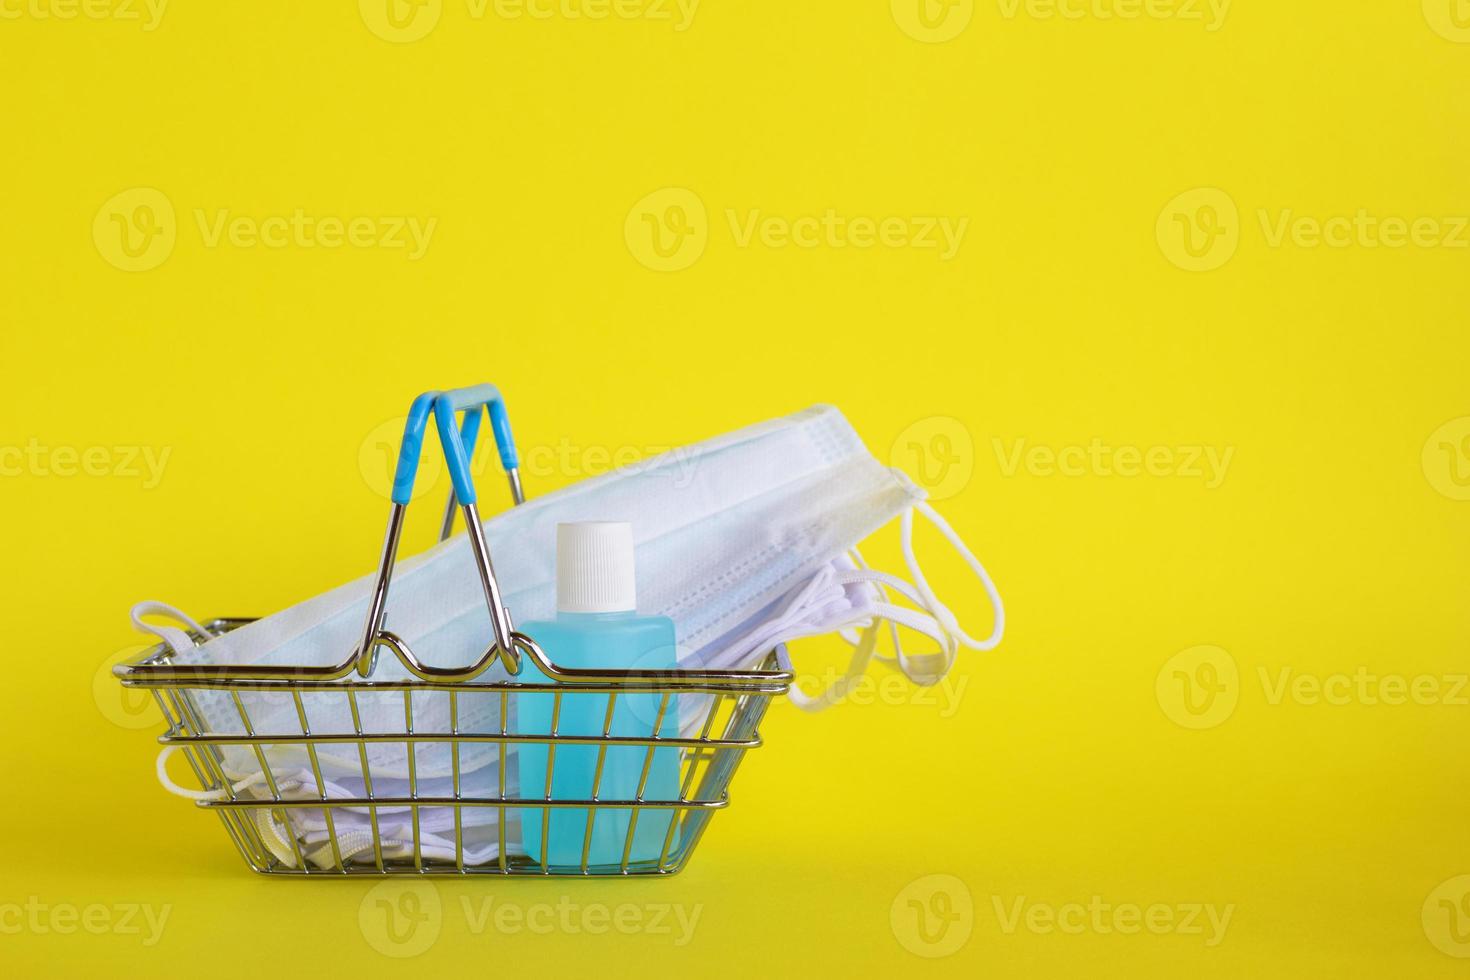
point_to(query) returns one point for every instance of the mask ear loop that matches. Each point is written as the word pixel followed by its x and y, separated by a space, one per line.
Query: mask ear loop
pixel 178 640
pixel 271 834
pixel 924 596
pixel 867 643
pixel 206 794
pixel 946 630
pixel 851 635
pixel 931 601
pixel 921 620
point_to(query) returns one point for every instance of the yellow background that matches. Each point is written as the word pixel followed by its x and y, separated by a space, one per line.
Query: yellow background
pixel 1334 543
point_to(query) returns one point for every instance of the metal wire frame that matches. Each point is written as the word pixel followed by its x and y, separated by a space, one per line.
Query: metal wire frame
pixel 708 759
pixel 738 701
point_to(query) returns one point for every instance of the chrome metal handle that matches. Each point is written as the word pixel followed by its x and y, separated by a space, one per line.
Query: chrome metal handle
pixel 458 445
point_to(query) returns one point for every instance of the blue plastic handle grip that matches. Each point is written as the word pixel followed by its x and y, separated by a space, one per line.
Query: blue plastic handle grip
pixel 473 396
pixel 504 441
pixel 412 446
pixel 458 447
pixel 488 396
pixel 469 432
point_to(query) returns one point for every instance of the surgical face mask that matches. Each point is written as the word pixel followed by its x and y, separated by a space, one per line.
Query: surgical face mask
pixel 745 541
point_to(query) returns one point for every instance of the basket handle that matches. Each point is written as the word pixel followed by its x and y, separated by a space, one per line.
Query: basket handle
pixel 486 396
pixel 457 451
pixel 446 407
pixel 458 445
pixel 507 645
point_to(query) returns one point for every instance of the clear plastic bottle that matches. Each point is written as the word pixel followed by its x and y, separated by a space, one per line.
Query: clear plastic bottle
pixel 597 626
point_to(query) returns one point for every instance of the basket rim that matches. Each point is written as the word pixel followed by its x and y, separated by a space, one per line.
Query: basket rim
pixel 152 669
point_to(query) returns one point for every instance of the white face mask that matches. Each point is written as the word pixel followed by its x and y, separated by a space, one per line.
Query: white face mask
pixel 742 540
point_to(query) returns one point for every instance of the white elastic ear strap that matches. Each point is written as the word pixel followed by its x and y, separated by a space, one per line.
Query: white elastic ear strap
pixel 940 623
pixel 202 794
pixel 271 832
pixel 932 602
pixel 178 641
pixel 924 596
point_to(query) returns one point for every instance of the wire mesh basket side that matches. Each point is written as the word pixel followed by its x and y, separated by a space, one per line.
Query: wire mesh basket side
pixel 292 807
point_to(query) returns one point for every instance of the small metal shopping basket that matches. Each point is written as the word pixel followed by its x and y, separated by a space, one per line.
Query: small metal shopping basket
pixel 723 708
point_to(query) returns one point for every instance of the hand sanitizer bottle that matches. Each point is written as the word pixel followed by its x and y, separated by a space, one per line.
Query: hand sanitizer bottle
pixel 597 626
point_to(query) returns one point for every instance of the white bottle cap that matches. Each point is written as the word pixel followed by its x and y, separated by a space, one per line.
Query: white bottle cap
pixel 594 567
